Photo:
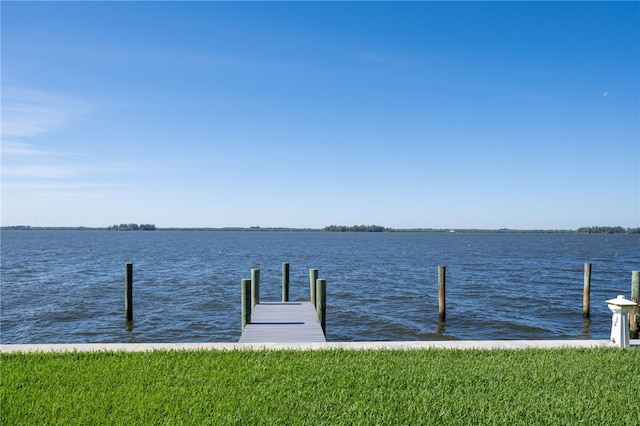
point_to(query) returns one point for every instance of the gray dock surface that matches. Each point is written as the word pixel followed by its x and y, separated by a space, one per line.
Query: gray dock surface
pixel 283 322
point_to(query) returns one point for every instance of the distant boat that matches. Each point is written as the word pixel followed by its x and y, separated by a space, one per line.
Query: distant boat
pixel 452 230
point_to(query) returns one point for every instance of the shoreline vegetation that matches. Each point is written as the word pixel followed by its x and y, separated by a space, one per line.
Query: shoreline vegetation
pixel 330 228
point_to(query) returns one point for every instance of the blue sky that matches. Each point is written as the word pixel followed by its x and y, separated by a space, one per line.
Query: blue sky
pixel 407 115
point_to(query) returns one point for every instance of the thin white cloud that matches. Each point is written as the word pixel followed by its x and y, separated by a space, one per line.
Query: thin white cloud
pixel 65 171
pixel 56 186
pixel 39 172
pixel 27 169
pixel 27 112
pixel 22 194
pixel 22 149
pixel 605 94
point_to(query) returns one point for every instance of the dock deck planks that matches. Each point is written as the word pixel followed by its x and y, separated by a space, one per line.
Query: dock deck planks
pixel 283 322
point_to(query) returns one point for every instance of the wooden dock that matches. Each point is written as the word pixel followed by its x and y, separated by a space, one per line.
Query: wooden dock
pixel 283 322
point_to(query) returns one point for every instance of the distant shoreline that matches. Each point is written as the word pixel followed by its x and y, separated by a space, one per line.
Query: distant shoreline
pixel 592 230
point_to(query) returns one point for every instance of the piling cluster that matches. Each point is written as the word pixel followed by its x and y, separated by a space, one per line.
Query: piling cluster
pixel 318 288
pixel 250 294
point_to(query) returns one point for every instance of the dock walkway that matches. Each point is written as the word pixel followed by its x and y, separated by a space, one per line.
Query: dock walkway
pixel 283 322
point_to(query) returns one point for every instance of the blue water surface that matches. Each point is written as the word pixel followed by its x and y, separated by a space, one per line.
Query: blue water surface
pixel 68 286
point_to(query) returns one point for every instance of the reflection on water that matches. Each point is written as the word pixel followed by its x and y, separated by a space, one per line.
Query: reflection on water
pixel 586 328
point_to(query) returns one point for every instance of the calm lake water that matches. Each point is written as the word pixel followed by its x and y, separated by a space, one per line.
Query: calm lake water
pixel 68 286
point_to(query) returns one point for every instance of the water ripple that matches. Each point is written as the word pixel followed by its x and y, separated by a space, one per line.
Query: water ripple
pixel 68 286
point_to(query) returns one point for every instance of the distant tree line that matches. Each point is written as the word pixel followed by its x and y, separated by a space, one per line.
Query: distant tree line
pixel 132 227
pixel 607 230
pixel 356 228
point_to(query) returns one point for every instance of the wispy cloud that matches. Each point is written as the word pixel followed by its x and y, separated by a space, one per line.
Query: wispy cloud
pixel 27 193
pixel 27 167
pixel 39 172
pixel 57 186
pixel 47 170
pixel 27 112
pixel 23 149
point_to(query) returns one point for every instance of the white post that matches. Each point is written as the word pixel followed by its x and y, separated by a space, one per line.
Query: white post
pixel 620 320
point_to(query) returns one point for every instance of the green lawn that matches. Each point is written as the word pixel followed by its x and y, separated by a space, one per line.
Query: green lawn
pixel 434 386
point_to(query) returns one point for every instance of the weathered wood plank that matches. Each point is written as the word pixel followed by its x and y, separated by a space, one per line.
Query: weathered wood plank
pixel 283 322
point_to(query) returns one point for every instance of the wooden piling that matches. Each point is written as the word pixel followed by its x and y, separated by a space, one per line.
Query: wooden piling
pixel 128 291
pixel 442 277
pixel 586 296
pixel 285 282
pixel 313 276
pixel 245 302
pixel 635 297
pixel 321 303
pixel 255 287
